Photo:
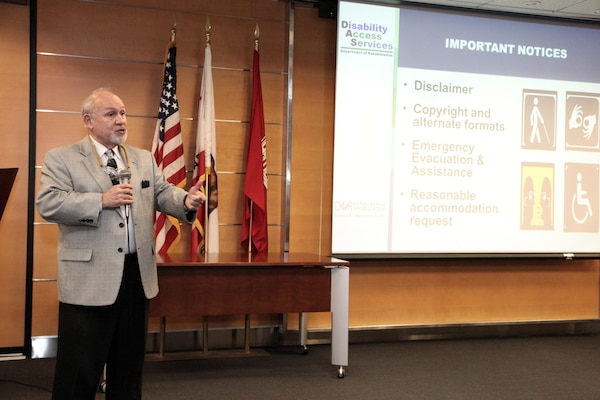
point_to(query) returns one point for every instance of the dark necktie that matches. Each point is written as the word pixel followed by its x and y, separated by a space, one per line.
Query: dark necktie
pixel 111 167
pixel 113 172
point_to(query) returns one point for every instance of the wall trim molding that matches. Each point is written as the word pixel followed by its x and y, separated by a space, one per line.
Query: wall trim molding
pixel 223 340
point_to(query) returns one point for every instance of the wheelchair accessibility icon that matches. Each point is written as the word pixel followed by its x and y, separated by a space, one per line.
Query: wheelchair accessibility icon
pixel 581 207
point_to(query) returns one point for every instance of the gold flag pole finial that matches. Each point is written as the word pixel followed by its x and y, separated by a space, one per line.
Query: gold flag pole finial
pixel 173 30
pixel 256 37
pixel 207 29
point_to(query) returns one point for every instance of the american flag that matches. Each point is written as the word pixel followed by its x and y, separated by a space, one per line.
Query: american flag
pixel 167 148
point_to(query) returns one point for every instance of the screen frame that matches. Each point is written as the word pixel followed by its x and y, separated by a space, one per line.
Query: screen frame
pixel 518 17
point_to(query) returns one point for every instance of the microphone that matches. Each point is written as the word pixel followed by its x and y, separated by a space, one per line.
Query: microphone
pixel 124 177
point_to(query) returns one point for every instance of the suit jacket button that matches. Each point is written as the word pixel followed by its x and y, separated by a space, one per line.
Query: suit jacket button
pixel 121 225
pixel 120 249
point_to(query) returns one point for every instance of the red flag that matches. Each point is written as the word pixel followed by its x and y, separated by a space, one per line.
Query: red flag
pixel 167 148
pixel 205 229
pixel 254 225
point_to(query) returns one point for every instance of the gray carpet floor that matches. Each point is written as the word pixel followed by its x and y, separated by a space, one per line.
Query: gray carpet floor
pixel 549 368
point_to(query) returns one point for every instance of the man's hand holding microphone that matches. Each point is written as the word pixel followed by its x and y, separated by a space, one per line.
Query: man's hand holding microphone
pixel 122 194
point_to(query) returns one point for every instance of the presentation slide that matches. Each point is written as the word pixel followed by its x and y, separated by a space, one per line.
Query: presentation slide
pixel 465 134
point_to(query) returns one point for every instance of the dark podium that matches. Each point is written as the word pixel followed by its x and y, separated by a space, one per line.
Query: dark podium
pixel 232 284
pixel 7 178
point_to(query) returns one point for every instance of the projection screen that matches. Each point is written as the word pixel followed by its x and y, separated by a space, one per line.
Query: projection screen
pixel 465 134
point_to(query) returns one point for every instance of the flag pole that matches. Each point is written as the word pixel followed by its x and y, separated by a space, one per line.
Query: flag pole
pixel 207 160
pixel 256 37
pixel 250 228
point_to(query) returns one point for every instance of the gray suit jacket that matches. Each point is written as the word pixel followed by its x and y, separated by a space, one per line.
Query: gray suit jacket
pixel 91 239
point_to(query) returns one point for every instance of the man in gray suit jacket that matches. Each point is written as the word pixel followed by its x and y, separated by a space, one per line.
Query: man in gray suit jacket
pixel 106 257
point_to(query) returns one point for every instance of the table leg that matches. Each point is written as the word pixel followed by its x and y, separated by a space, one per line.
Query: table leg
pixel 162 336
pixel 205 335
pixel 340 282
pixel 247 333
pixel 303 332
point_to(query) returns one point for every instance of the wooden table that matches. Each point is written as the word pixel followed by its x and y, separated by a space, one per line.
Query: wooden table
pixel 231 283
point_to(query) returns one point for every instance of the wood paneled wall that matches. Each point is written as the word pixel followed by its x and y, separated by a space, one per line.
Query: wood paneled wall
pixel 86 44
pixel 14 128
pixel 83 45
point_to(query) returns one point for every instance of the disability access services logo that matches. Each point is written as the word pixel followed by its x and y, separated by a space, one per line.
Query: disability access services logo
pixel 366 38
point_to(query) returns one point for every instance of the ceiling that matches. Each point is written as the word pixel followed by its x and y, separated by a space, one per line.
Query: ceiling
pixel 588 10
pixel 585 10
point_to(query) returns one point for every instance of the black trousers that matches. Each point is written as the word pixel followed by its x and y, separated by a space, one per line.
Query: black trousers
pixel 91 337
